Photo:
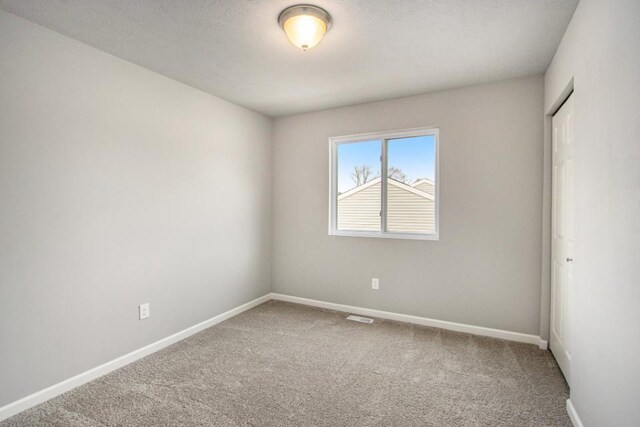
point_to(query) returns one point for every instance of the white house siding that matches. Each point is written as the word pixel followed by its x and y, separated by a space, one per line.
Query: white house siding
pixel 361 210
pixel 425 186
pixel 406 211
pixel 409 212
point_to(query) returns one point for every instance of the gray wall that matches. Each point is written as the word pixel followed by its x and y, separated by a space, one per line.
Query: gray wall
pixel 117 186
pixel 486 268
pixel 600 52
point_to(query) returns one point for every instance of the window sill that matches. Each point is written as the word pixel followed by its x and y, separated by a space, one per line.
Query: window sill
pixel 388 235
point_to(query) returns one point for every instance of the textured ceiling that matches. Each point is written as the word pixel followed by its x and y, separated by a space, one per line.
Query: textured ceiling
pixel 377 49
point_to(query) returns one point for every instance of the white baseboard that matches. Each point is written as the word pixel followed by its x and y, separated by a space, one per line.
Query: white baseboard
pixel 442 324
pixel 543 344
pixel 90 375
pixel 575 419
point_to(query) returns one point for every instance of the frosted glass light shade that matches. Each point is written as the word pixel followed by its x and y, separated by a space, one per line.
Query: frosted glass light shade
pixel 305 31
pixel 304 25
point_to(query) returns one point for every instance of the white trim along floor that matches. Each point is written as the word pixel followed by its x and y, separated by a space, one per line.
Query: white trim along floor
pixel 94 373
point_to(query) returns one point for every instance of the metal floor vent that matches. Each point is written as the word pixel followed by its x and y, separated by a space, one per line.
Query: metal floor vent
pixel 360 319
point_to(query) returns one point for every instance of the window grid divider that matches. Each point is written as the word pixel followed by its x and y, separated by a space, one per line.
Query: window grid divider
pixel 383 185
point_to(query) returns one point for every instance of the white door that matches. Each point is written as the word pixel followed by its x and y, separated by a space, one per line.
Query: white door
pixel 562 234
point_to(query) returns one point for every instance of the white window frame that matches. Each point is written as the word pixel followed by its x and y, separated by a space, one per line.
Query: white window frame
pixel 383 137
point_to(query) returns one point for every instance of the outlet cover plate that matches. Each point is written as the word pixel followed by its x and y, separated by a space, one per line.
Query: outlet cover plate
pixel 144 311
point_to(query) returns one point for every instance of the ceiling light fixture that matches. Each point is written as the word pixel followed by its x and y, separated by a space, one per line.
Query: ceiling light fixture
pixel 304 24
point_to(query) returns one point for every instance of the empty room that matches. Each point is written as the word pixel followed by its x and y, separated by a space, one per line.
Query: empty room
pixel 338 213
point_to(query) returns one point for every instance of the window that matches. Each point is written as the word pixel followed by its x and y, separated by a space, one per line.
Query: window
pixel 385 185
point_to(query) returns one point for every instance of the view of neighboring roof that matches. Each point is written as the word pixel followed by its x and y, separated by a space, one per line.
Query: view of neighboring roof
pixel 423 187
pixel 409 209
pixel 425 184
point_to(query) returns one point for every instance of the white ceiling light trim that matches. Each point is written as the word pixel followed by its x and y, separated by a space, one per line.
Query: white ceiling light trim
pixel 304 24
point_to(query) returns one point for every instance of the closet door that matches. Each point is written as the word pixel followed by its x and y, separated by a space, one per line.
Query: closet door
pixel 562 235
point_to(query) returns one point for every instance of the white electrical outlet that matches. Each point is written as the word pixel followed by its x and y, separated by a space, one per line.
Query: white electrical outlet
pixel 375 283
pixel 145 311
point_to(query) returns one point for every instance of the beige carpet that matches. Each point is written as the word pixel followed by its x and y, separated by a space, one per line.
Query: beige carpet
pixel 282 364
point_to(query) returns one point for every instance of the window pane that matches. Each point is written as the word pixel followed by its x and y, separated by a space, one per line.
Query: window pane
pixel 359 189
pixel 411 184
